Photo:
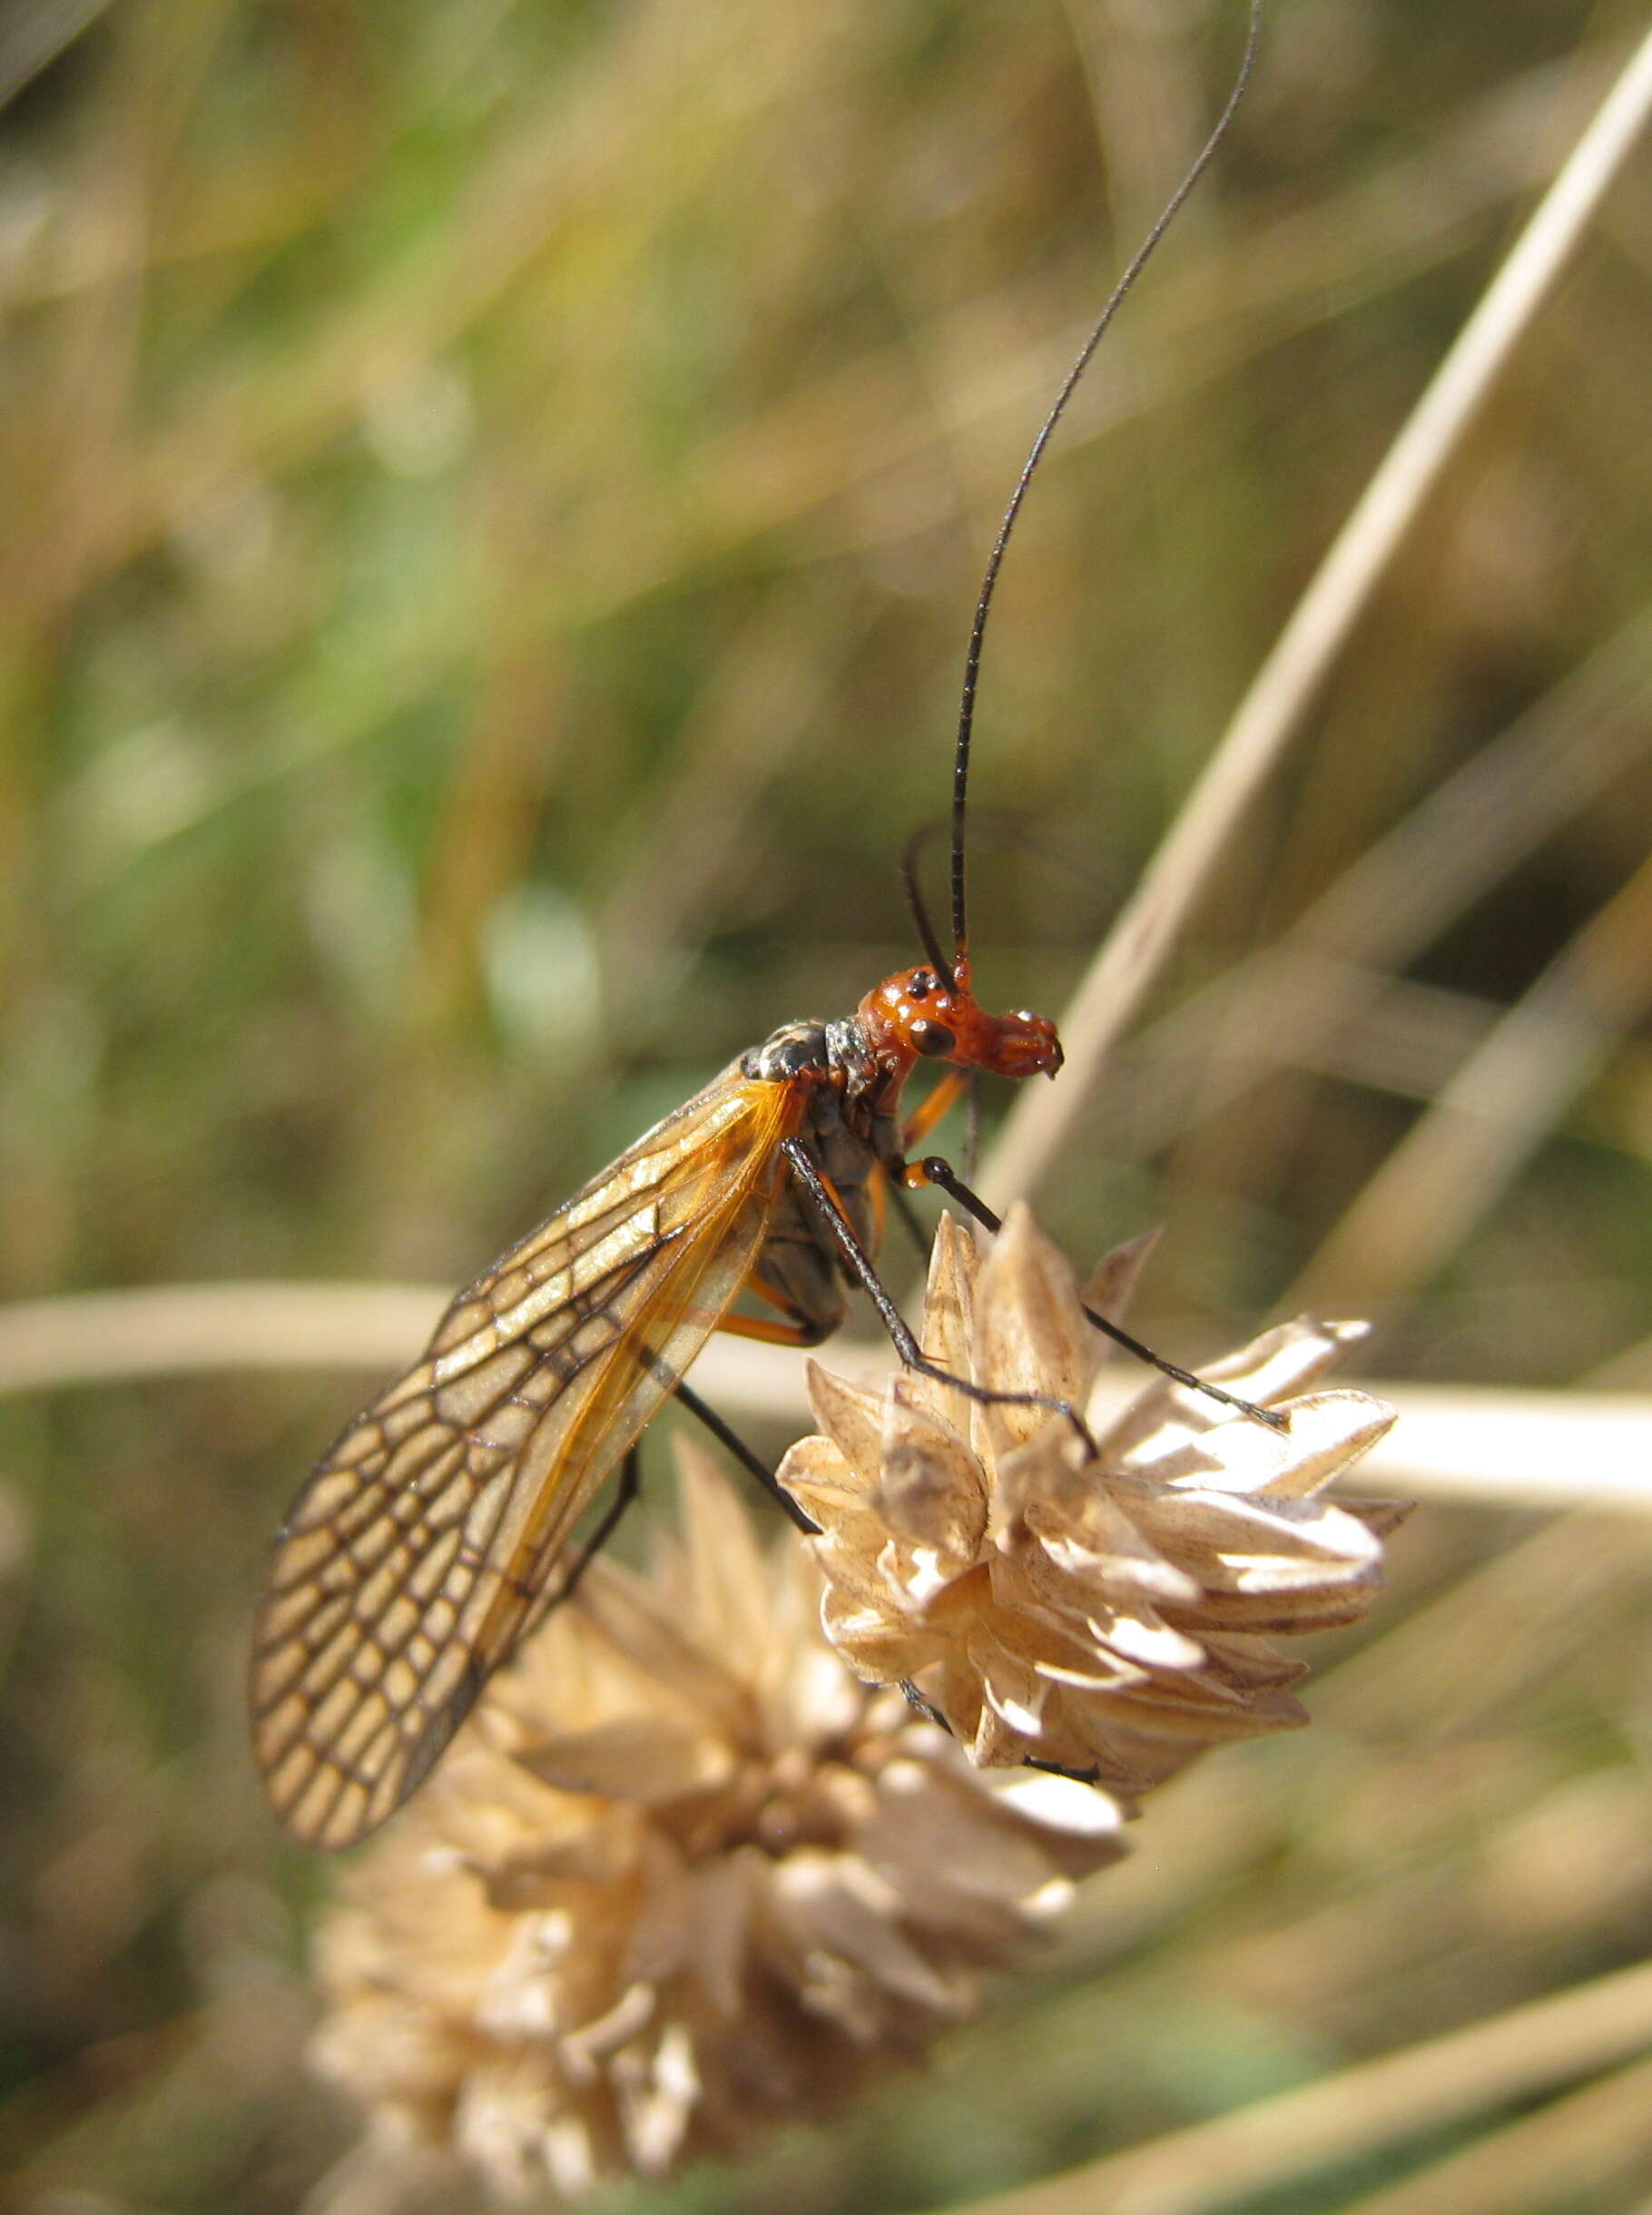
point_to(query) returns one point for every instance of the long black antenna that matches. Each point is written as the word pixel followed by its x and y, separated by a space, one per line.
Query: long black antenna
pixel 978 629
pixel 927 937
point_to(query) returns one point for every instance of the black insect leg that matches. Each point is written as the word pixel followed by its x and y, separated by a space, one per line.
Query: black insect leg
pixel 939 1172
pixel 730 1441
pixel 630 1484
pixel 1054 1768
pixel 753 1464
pixel 890 1317
pixel 921 1703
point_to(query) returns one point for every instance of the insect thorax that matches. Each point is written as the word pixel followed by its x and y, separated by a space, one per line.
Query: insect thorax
pixel 834 1050
pixel 850 1136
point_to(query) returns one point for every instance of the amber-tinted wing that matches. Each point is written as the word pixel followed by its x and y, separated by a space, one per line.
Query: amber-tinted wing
pixel 415 1552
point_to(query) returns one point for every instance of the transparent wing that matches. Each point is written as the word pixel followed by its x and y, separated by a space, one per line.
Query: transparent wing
pixel 415 1552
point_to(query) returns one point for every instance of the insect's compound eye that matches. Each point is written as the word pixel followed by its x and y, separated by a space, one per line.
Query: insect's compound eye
pixel 930 1037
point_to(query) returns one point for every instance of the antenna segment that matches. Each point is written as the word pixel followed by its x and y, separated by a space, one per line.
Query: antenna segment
pixel 1069 384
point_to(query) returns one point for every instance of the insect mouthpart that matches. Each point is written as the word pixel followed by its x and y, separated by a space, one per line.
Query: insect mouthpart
pixel 1022 1045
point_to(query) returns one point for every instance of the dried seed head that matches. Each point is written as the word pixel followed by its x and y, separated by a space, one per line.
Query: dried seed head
pixel 683 1876
pixel 1110 1617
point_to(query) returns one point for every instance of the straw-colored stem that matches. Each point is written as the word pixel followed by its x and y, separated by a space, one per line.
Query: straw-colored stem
pixel 177 1330
pixel 1379 2103
pixel 1330 965
pixel 1485 1445
pixel 1292 672
pixel 1450 1170
pixel 1574 2145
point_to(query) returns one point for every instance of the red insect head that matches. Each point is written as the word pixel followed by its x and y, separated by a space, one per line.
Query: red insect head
pixel 919 1014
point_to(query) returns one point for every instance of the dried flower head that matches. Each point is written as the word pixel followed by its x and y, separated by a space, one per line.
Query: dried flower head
pixel 1110 1616
pixel 683 1876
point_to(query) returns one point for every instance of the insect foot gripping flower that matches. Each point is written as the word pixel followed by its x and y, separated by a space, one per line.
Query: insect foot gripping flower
pixel 683 1876
pixel 1111 1617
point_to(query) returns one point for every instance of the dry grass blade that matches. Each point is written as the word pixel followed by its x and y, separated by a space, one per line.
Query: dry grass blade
pixel 181 1330
pixel 36 35
pixel 1379 2102
pixel 1506 1623
pixel 1492 1447
pixel 1599 2137
pixel 1271 712
pixel 1479 1133
pixel 1502 1449
pixel 1396 899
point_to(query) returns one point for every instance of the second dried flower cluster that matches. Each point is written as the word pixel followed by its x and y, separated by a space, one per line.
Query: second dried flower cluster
pixel 682 1879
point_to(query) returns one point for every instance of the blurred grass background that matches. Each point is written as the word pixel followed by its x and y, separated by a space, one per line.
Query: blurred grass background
pixel 490 497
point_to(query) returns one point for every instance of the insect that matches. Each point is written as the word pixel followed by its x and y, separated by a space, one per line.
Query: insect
pixel 425 1541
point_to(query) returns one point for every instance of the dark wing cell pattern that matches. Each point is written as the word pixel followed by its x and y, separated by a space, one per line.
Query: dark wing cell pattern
pixel 421 1544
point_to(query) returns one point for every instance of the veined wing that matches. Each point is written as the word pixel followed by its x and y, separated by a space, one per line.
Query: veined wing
pixel 417 1549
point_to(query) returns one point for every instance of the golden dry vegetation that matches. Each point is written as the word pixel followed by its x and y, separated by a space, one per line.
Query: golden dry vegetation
pixel 491 493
